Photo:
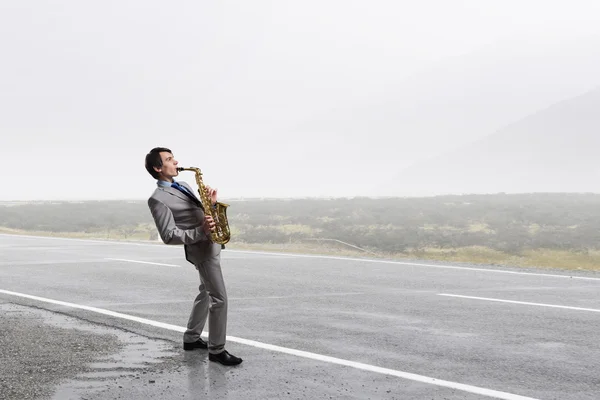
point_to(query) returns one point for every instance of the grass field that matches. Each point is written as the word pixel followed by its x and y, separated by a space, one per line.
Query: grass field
pixel 546 258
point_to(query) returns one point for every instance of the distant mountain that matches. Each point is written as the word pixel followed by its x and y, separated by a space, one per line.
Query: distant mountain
pixel 460 99
pixel 554 150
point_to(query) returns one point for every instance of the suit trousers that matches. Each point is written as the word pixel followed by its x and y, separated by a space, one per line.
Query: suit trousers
pixel 210 303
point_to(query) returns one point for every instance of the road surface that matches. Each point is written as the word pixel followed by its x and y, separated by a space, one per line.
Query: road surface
pixel 98 319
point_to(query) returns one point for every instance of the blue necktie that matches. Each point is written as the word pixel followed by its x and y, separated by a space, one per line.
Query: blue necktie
pixel 187 193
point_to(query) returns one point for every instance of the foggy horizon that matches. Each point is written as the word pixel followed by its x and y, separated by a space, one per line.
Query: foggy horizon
pixel 295 100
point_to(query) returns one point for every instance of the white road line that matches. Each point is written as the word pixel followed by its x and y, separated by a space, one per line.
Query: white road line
pixel 43 248
pixel 297 297
pixel 519 302
pixel 146 303
pixel 299 353
pixel 49 262
pixel 143 262
pixel 81 240
pixel 366 260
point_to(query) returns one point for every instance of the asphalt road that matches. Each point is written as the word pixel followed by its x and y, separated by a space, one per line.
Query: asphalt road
pixel 105 320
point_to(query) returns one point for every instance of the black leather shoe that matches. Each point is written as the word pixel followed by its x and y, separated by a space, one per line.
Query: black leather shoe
pixel 225 358
pixel 200 344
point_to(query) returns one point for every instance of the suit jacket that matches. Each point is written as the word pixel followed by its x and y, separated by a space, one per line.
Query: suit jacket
pixel 179 221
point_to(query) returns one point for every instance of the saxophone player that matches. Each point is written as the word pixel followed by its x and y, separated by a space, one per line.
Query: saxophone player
pixel 180 219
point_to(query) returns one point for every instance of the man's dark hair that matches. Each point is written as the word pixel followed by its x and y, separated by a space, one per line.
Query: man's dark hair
pixel 153 160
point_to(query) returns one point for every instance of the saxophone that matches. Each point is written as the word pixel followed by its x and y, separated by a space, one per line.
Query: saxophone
pixel 221 234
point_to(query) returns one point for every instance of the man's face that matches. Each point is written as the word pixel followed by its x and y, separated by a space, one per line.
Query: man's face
pixel 169 167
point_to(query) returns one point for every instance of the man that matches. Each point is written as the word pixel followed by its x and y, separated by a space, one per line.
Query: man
pixel 180 220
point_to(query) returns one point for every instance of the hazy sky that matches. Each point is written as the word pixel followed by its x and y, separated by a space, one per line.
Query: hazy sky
pixel 271 98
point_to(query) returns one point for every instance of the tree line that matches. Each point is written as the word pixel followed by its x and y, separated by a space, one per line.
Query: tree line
pixel 509 223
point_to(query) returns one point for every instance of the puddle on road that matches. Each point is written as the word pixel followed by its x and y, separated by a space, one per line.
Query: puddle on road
pixel 136 357
pixel 132 359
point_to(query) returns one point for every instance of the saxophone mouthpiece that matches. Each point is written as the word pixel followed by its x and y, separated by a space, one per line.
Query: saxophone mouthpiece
pixel 194 169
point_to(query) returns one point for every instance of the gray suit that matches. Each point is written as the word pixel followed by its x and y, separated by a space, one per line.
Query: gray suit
pixel 179 222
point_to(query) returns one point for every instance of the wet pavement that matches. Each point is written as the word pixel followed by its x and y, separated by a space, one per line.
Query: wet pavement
pixel 84 319
pixel 47 355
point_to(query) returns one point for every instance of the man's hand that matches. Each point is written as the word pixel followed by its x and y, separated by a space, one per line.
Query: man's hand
pixel 212 195
pixel 209 224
